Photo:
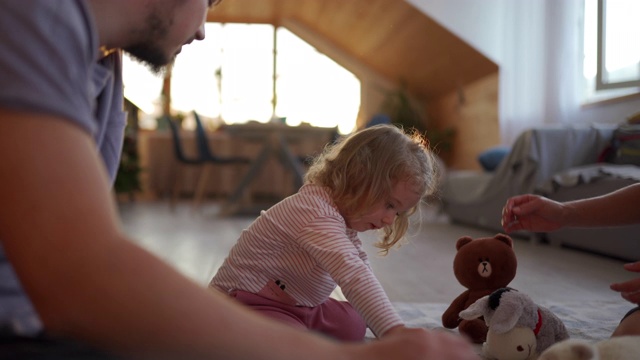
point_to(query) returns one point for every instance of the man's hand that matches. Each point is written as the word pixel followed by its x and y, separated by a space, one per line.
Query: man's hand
pixel 401 342
pixel 630 290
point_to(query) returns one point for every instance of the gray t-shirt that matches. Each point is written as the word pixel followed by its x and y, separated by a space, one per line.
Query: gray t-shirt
pixel 50 63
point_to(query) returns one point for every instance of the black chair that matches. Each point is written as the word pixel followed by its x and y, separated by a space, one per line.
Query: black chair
pixel 307 159
pixel 209 159
pixel 183 159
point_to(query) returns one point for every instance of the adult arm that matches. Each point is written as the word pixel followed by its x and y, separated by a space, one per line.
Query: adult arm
pixel 60 230
pixel 613 209
pixel 536 213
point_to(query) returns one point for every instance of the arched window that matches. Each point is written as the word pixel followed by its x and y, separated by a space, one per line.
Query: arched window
pixel 243 72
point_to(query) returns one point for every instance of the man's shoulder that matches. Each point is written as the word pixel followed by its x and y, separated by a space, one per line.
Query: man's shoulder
pixel 48 51
pixel 61 27
pixel 47 40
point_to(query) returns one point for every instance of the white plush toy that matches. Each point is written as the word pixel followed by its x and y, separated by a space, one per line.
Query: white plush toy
pixel 518 343
pixel 615 348
pixel 518 328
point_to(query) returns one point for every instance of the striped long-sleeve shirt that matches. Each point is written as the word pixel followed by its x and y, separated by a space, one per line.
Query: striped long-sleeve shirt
pixel 304 242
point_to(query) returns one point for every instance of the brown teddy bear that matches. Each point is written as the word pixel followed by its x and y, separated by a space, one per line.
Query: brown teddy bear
pixel 482 266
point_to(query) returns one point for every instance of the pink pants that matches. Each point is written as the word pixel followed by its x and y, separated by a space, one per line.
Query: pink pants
pixel 337 319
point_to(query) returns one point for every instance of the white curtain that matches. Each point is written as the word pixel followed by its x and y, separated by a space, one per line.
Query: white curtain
pixel 564 49
pixel 540 64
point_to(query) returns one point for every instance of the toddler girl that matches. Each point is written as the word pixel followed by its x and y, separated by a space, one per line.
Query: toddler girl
pixel 290 259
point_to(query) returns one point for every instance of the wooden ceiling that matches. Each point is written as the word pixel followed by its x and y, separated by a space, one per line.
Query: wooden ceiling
pixel 389 37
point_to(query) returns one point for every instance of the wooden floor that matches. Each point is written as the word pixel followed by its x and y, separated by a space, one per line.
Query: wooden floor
pixel 196 243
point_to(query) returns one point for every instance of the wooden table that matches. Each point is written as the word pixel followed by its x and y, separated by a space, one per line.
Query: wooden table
pixel 281 143
pixel 275 172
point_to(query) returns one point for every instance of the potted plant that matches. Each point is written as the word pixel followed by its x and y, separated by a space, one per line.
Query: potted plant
pixel 403 111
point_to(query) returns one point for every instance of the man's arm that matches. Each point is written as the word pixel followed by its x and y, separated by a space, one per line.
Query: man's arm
pixel 613 209
pixel 60 230
pixel 537 213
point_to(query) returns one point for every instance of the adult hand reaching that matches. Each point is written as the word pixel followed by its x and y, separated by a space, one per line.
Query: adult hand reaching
pixel 617 208
pixel 629 290
pixel 533 213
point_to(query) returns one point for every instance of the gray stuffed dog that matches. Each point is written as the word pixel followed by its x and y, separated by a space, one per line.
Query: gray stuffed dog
pixel 518 328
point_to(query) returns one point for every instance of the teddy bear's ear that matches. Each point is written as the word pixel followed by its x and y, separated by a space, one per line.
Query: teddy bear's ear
pixel 505 239
pixel 463 241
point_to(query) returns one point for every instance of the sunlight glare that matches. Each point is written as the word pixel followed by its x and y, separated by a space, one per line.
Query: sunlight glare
pixel 229 76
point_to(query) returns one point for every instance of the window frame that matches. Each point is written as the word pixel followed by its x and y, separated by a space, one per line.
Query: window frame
pixel 600 82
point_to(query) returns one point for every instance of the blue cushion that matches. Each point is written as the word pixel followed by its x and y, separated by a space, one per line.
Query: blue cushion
pixel 378 119
pixel 491 158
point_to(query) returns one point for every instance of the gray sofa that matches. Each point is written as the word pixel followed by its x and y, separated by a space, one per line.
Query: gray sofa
pixel 559 162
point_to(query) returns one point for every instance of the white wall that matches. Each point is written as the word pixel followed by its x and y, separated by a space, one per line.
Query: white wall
pixel 521 37
pixel 476 21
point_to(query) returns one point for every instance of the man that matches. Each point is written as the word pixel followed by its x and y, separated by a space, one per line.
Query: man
pixel 66 269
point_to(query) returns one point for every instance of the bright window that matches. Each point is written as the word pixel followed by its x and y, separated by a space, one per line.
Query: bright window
pixel 141 86
pixel 311 87
pixel 612 49
pixel 230 76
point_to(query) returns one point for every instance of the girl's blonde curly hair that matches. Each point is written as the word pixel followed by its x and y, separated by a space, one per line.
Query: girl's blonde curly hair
pixel 361 170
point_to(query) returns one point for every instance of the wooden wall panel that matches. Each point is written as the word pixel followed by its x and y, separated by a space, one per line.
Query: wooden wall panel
pixel 384 42
pixel 473 112
pixel 391 37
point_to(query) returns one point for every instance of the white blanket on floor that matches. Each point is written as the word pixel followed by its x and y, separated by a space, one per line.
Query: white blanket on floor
pixel 586 320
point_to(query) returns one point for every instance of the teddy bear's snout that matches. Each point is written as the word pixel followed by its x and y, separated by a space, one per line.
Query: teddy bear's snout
pixel 484 269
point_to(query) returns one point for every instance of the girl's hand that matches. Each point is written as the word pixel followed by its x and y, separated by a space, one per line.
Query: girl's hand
pixel 630 290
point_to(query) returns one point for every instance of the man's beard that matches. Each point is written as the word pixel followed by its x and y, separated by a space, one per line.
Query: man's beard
pixel 147 50
pixel 151 56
